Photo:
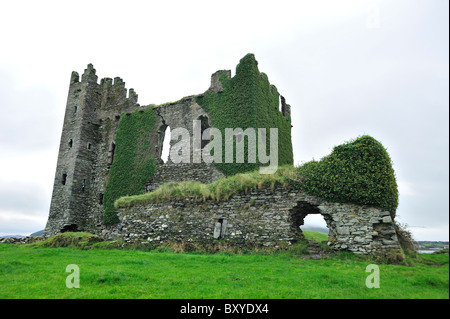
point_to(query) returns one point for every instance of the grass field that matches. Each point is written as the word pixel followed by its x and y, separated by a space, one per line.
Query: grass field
pixel 40 272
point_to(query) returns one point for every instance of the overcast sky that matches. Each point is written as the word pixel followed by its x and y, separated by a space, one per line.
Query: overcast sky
pixel 347 68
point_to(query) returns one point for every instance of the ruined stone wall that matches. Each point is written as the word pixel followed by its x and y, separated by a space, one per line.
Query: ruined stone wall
pixel 181 114
pixel 87 148
pixel 262 217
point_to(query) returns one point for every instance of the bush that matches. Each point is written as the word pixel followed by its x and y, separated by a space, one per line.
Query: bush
pixel 359 171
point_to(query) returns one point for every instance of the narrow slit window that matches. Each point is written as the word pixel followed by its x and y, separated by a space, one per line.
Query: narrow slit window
pixel 203 126
pixel 70 143
pixel 112 149
pixel 64 179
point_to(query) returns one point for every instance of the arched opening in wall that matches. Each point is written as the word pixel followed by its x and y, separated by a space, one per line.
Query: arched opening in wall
pixel 309 223
pixel 204 124
pixel 64 179
pixel 165 137
pixel 69 228
pixel 315 228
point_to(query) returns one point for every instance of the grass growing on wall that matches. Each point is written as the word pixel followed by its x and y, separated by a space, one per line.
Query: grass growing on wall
pixel 133 166
pixel 359 172
pixel 219 190
pixel 248 101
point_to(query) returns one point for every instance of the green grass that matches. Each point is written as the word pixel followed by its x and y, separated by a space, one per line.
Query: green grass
pixel 39 272
pixel 315 236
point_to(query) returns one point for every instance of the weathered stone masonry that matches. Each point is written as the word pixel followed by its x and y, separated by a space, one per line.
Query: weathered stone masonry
pixel 262 217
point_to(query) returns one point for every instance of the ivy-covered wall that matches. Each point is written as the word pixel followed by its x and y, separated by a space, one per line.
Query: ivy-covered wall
pixel 248 101
pixel 133 164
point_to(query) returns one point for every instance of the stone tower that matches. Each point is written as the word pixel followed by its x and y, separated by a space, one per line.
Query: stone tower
pixel 90 120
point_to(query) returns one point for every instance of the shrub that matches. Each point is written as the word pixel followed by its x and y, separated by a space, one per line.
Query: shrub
pixel 359 171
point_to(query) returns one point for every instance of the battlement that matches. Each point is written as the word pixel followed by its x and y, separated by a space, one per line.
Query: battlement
pixel 89 74
pixel 109 95
pixel 216 85
pixel 74 78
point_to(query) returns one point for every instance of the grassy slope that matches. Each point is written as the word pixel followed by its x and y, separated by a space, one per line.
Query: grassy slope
pixel 27 272
pixel 315 236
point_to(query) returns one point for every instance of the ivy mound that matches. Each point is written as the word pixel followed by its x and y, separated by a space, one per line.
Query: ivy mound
pixel 359 171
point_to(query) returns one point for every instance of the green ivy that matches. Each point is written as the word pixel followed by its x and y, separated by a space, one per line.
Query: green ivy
pixel 132 166
pixel 248 101
pixel 359 171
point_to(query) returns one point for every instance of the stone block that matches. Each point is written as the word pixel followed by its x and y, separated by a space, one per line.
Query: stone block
pixel 343 230
pixel 387 219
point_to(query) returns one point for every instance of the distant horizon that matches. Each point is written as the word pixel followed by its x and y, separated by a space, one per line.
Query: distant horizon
pixel 304 227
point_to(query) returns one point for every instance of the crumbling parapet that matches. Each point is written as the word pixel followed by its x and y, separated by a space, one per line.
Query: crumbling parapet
pixel 216 84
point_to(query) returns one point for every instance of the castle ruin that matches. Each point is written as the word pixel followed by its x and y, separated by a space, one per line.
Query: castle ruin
pixel 88 161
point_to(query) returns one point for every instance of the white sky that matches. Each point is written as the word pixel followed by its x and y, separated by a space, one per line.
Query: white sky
pixel 347 68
